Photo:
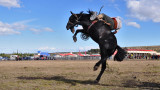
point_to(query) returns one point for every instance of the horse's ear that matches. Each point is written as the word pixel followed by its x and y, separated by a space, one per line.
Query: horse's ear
pixel 81 12
pixel 90 12
pixel 71 12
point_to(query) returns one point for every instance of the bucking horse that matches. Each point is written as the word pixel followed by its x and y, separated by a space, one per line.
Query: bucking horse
pixel 100 32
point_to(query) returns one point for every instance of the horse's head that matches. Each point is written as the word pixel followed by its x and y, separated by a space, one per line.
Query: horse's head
pixel 73 21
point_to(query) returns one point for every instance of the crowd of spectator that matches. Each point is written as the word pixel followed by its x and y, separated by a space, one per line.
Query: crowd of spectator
pixel 143 56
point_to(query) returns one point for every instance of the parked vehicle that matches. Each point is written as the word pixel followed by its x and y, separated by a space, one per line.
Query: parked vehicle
pixel 13 57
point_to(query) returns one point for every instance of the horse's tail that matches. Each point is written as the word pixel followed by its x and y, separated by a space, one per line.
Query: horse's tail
pixel 120 55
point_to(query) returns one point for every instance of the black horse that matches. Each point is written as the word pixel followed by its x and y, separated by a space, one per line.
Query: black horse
pixel 101 34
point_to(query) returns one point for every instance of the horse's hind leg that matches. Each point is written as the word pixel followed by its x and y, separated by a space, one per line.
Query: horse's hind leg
pixel 102 70
pixel 104 56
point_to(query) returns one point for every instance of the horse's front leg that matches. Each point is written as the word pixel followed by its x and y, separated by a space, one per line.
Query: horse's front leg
pixel 104 56
pixel 77 31
pixel 96 66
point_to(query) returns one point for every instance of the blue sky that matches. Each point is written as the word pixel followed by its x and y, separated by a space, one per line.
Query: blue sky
pixel 32 25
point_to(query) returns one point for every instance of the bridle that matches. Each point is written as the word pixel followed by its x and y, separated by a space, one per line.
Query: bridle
pixel 77 20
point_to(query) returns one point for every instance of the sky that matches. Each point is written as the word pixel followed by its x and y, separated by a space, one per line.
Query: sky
pixel 28 26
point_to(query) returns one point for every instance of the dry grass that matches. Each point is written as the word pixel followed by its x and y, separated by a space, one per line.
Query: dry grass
pixel 73 75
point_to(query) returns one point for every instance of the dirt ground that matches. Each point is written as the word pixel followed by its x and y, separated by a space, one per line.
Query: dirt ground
pixel 79 75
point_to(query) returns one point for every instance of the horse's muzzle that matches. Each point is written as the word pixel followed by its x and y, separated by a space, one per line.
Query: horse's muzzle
pixel 67 26
pixel 71 27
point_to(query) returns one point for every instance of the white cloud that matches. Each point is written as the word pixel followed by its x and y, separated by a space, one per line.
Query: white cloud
pixel 26 21
pixel 48 29
pixel 48 49
pixel 38 31
pixel 134 24
pixel 8 29
pixel 35 31
pixel 10 3
pixel 17 27
pixel 14 28
pixel 87 48
pixel 11 50
pixel 144 9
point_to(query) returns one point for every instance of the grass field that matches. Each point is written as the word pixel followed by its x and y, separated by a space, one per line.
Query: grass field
pixel 78 75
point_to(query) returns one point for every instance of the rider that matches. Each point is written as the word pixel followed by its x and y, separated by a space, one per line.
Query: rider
pixel 114 23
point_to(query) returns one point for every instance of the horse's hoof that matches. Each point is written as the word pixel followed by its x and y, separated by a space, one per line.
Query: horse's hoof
pixel 96 81
pixel 95 68
pixel 74 39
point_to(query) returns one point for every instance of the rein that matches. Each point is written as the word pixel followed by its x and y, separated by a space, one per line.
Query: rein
pixel 95 21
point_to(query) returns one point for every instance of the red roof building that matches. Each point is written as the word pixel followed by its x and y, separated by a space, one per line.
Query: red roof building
pixel 140 51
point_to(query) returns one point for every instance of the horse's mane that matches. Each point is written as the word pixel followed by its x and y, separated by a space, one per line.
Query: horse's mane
pixel 90 12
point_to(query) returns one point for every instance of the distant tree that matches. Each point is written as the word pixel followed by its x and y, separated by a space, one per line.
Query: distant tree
pixel 158 50
pixel 94 51
pixel 4 55
pixel 23 54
